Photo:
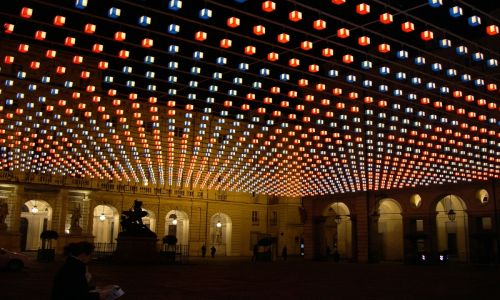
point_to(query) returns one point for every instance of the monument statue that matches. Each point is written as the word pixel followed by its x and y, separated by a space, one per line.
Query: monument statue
pixel 4 211
pixel 131 221
pixel 75 221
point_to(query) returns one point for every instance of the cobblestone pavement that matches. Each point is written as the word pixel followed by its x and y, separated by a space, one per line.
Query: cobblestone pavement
pixel 238 278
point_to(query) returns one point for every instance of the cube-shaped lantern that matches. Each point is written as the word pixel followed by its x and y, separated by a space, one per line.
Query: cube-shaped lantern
pixel 477 56
pixel 149 59
pixel 23 48
pixel 383 88
pixel 120 36
pixel 114 13
pixel 97 48
pixel 491 87
pixel 205 14
pixel 402 54
pixel 84 74
pixel 384 48
pixel 294 62
pixel 416 80
pixel 347 59
pixel 200 36
pixel 60 70
pixel 123 54
pixel 313 68
pixel 386 18
pixel 103 65
pixel 420 60
pixel 59 20
pixel 259 30
pixel 407 26
pixel 366 65
pixel 474 21
pixel 363 9
pixel 436 67
pixel 295 16
pixel 243 66
pixel 303 82
pixel 492 63
pixel 384 70
pixel 435 3
pixel 89 28
pixel 69 41
pixel 26 12
pixel 350 78
pixel 343 33
pixel 364 40
pixel 77 59
pixel 444 43
pixel 268 6
pixel 338 2
pixel 283 38
pixel 273 56
pixel 285 77
pixel 250 50
pixel 333 73
pixel 451 72
pixel 35 65
pixel 401 76
pixel 221 60
pixel 226 43
pixel 233 22
pixel 462 50
pixel 479 81
pixel 9 28
pixel 319 24
pixel 173 28
pixel 492 30
pixel 430 85
pixel 465 77
pixel 51 53
pixel 306 45
pixel 367 83
pixel 147 43
pixel 144 21
pixel 40 35
pixel 456 11
pixel 444 90
pixel 174 5
pixel 327 52
pixel 427 35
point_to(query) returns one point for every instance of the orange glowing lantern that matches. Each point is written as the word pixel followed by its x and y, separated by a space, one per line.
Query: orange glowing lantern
pixel 259 30
pixel 384 48
pixel 407 26
pixel 268 6
pixel 250 50
pixel 295 16
pixel 306 45
pixel 294 62
pixel 226 43
pixel 343 33
pixel 200 36
pixel 363 9
pixel 386 18
pixel 319 24
pixel 233 22
pixel 364 40
pixel 273 56
pixel 89 28
pixel 492 30
pixel 327 52
pixel 427 35
pixel 347 59
pixel 59 20
pixel 283 38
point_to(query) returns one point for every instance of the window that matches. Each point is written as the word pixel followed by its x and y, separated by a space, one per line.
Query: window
pixel 274 218
pixel 255 217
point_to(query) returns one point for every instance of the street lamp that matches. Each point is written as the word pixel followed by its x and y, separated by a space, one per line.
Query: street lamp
pixel 34 209
pixel 451 213
pixel 102 217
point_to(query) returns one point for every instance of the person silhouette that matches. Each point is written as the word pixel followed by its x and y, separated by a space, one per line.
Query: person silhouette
pixel 212 251
pixel 203 251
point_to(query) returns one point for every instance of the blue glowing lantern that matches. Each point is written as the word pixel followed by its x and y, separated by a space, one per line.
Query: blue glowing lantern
pixel 237 80
pixel 465 77
pixel 217 75
pixel 257 85
pixel 174 4
pixel 243 67
pixel 435 3
pixel 81 4
pixel 173 65
pixel 383 88
pixel 126 70
pixel 462 50
pixel 198 55
pixel 451 72
pixel 401 76
pixel 474 21
pixel 397 93
pixel 264 72
pixel 402 54
pixel 444 90
pixel 456 11
pixel 436 67
pixel 45 79
pixel 366 65
pixel 144 21
pixel 444 43
pixel 108 79
pixel 221 60
pixel 173 28
pixel 479 82
pixel 412 97
pixel 205 14
pixel 416 81
pixel 384 70
pixel 285 77
pixel 420 60
pixel 430 85
pixel 114 13
pixel 150 74
pixel 149 59
pixel 333 73
pixel 54 91
pixel 477 56
pixel 173 49
pixel 492 63
pixel 350 78
pixel 367 83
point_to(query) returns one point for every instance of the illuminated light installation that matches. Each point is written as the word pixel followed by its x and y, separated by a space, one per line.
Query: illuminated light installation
pixel 219 102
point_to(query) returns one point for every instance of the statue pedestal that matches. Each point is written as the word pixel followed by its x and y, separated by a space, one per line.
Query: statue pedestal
pixel 66 239
pixel 136 249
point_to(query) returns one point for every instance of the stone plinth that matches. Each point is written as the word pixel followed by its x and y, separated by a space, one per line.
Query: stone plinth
pixel 136 249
